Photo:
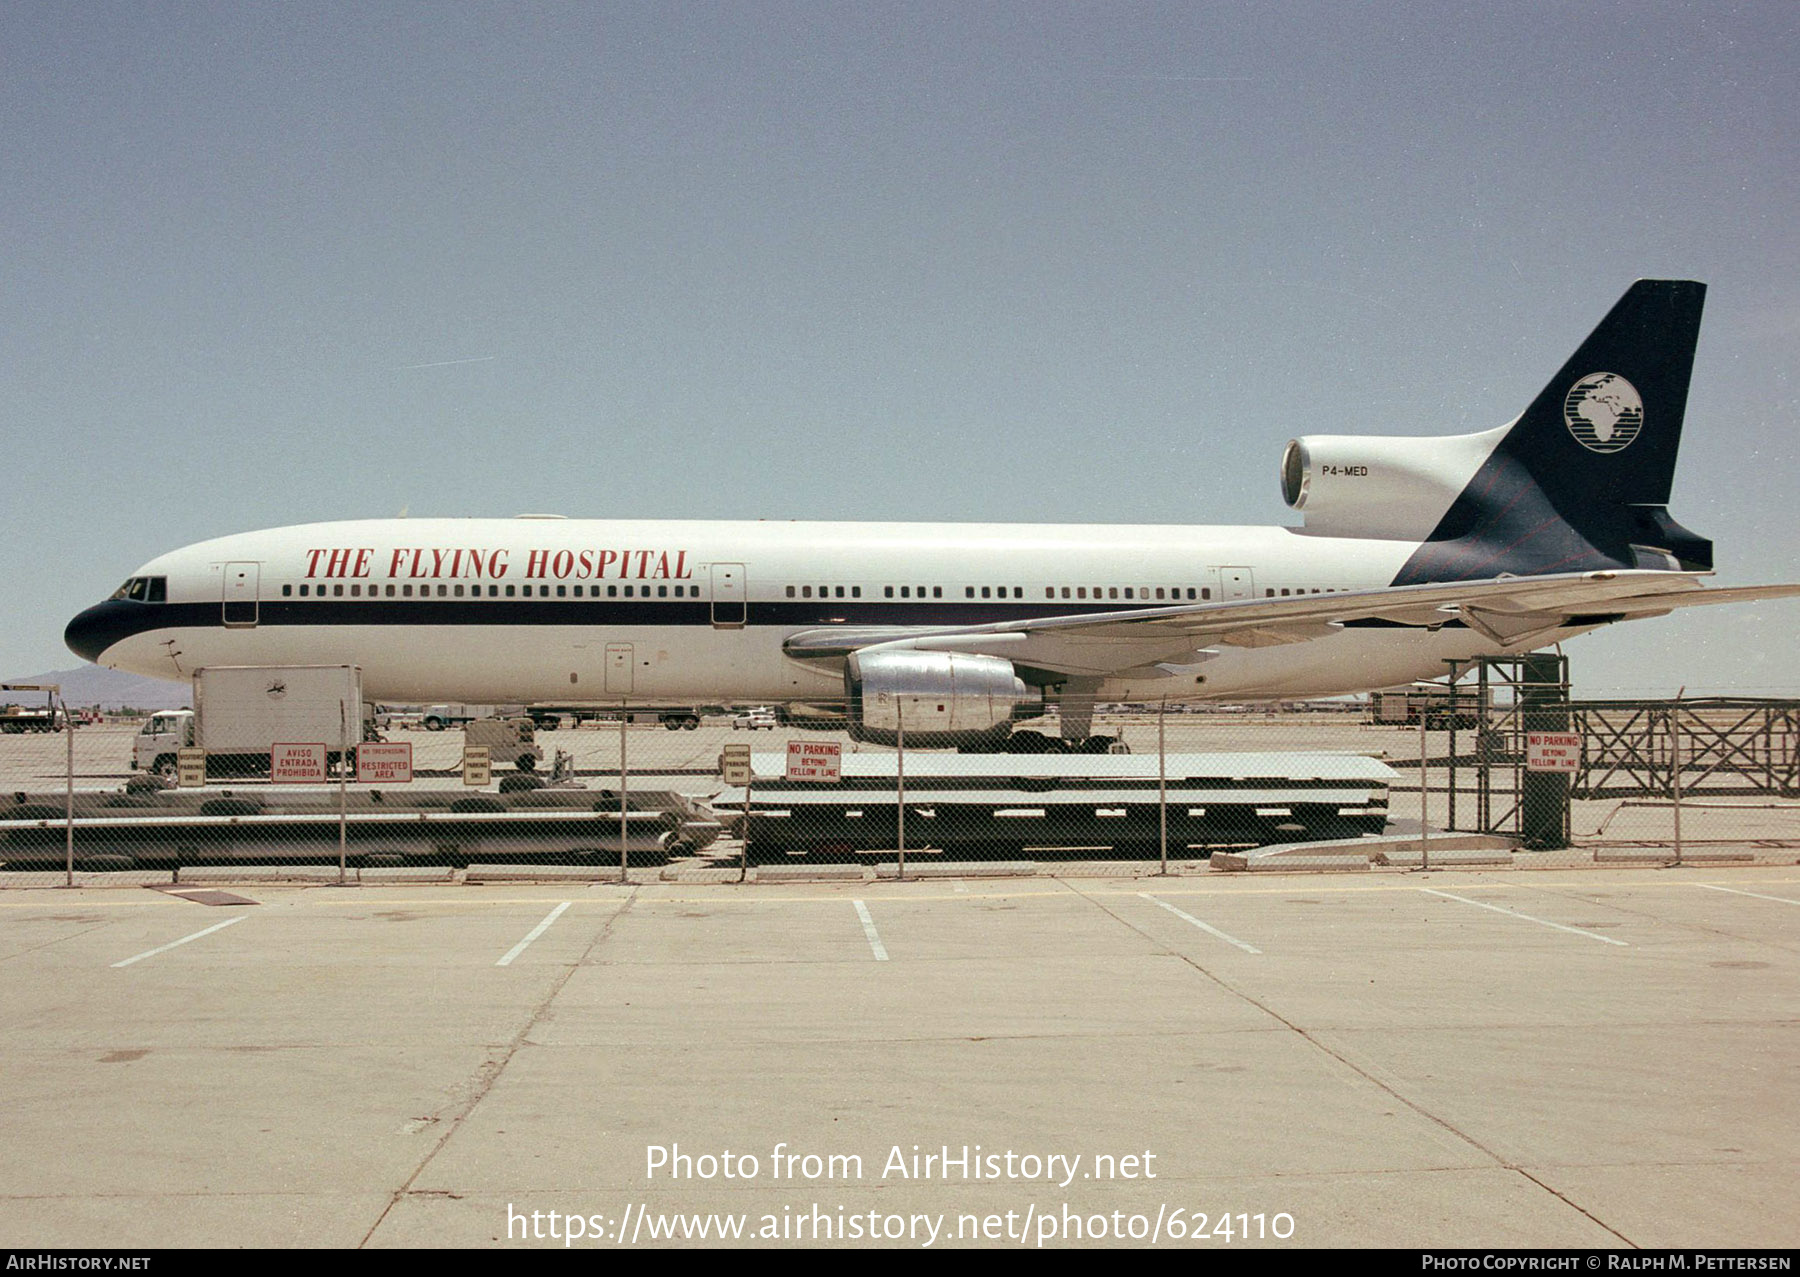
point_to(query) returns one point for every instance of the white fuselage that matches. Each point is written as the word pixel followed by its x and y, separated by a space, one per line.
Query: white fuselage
pixel 555 611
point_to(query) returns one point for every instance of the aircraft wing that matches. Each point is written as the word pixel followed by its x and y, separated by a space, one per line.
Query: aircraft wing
pixel 1107 644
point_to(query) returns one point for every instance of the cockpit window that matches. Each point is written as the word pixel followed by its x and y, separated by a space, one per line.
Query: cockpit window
pixel 144 589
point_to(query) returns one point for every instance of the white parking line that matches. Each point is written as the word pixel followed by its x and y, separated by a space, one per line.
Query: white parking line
pixel 1734 891
pixel 1210 930
pixel 151 953
pixel 1514 913
pixel 862 911
pixel 536 931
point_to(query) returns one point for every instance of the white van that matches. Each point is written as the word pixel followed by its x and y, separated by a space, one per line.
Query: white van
pixel 508 740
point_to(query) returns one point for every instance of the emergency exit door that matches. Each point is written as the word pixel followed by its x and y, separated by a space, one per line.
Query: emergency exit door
pixel 1236 583
pixel 239 596
pixel 619 668
pixel 728 595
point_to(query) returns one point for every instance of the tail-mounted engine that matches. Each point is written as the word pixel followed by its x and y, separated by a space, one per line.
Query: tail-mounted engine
pixel 1380 486
pixel 939 698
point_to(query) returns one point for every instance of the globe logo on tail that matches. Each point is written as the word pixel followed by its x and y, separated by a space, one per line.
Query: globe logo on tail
pixel 1604 412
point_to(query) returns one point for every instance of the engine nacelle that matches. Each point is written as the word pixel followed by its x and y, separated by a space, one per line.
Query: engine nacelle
pixel 1380 486
pixel 941 698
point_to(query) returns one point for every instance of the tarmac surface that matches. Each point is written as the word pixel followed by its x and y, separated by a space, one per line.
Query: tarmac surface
pixel 1600 1058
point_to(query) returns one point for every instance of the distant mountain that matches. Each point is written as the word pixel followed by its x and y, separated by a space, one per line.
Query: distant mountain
pixel 109 689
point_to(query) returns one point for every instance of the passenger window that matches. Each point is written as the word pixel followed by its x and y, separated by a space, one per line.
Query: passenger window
pixel 287 591
pixel 612 591
pixel 856 591
pixel 1205 594
pixel 984 591
pixel 790 591
pixel 887 591
pixel 662 591
pixel 1128 591
pixel 1065 591
pixel 968 591
pixel 937 591
pixel 806 591
pixel 1113 593
pixel 1081 591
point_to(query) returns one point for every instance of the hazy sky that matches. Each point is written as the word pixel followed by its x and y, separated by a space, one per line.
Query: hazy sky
pixel 266 264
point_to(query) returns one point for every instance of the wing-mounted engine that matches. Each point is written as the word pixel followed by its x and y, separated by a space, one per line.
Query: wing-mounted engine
pixel 1384 487
pixel 941 698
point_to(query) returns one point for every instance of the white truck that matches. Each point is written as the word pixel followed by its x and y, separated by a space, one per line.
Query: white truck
pixel 507 740
pixel 241 712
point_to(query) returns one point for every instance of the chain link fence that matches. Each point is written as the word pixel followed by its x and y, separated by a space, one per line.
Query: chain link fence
pixel 1177 790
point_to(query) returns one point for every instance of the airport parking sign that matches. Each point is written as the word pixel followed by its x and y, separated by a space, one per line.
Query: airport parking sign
pixel 478 768
pixel 815 760
pixel 734 765
pixel 190 767
pixel 1552 751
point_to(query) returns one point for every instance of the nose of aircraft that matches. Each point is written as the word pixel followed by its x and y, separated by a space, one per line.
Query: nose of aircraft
pixel 90 633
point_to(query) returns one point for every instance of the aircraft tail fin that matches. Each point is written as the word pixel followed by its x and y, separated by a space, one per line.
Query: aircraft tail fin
pixel 1581 481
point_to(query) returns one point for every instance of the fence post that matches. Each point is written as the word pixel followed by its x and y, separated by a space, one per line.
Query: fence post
pixel 1424 794
pixel 1162 782
pixel 744 849
pixel 343 767
pixel 624 853
pixel 1675 767
pixel 900 773
pixel 68 791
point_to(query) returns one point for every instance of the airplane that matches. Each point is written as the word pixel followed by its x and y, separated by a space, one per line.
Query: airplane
pixel 1411 552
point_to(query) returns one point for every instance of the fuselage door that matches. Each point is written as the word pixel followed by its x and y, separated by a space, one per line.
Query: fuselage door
pixel 1236 583
pixel 619 668
pixel 240 593
pixel 728 595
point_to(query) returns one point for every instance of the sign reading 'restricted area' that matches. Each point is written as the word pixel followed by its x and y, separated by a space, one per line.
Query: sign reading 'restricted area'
pixel 382 763
pixel 1553 751
pixel 297 764
pixel 815 760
